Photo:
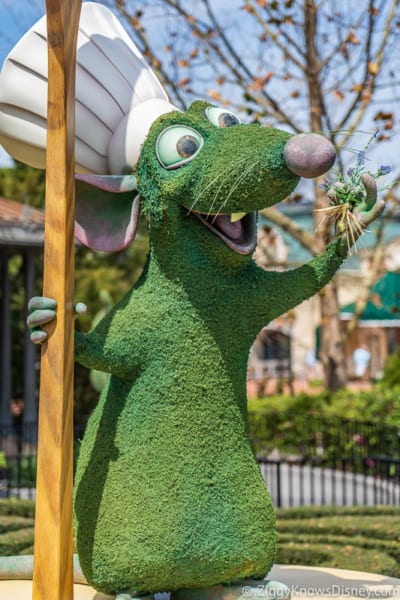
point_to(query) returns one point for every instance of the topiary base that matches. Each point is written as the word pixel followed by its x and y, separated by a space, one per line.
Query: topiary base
pixel 22 590
pixel 337 584
pixel 303 582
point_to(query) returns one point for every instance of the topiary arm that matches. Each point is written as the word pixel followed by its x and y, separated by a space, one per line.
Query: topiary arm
pixel 286 290
pixel 102 354
pixel 89 352
pixel 114 345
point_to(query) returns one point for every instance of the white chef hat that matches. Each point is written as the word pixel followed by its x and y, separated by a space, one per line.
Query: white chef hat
pixel 118 96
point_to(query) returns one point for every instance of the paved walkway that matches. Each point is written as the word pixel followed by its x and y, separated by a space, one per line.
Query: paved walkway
pixel 303 582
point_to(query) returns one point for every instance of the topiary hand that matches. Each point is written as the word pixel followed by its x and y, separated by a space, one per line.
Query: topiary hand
pixel 354 205
pixel 370 208
pixel 43 310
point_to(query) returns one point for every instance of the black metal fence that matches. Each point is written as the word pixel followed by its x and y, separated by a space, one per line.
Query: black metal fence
pixel 299 483
pixel 18 448
pixel 18 478
pixel 319 460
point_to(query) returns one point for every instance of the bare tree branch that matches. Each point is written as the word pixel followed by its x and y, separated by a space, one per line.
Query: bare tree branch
pixel 245 79
pixel 264 25
pixel 369 77
pixel 157 65
pixel 341 40
pixel 365 290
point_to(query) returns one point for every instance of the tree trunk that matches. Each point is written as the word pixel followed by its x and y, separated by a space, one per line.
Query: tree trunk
pixel 332 350
pixel 332 353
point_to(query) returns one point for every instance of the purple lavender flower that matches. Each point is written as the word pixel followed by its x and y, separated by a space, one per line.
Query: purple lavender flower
pixel 350 171
pixel 383 170
pixel 325 184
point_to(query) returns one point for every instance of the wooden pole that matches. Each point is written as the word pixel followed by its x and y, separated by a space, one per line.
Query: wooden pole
pixel 53 554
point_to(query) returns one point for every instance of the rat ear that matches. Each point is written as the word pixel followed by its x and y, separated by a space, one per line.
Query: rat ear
pixel 106 221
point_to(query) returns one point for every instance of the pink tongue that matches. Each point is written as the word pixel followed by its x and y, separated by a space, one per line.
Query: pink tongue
pixel 232 230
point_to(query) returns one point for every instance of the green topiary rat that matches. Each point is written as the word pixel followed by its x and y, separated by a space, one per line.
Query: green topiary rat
pixel 168 494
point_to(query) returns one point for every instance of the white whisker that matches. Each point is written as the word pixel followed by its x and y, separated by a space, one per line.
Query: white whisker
pixel 223 175
pixel 228 174
pixel 237 183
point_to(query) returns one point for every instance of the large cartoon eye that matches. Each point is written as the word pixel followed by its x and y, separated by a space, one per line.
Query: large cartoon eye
pixel 178 145
pixel 219 117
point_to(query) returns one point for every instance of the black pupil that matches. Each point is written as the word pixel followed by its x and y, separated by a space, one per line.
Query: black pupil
pixel 227 120
pixel 187 146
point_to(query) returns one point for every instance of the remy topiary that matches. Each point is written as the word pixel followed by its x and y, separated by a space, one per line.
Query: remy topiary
pixel 168 495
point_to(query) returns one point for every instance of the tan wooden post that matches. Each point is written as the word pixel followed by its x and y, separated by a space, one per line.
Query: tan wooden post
pixel 53 554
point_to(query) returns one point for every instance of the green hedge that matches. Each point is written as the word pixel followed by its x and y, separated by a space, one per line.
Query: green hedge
pixel 358 538
pixel 16 542
pixel 18 508
pixel 16 526
pixel 13 523
pixel 298 424
pixel 379 403
pixel 309 512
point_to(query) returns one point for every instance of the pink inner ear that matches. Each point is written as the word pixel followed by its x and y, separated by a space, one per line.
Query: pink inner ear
pixel 102 234
pixel 105 221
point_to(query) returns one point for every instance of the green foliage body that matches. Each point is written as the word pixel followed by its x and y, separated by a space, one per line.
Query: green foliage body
pixel 168 494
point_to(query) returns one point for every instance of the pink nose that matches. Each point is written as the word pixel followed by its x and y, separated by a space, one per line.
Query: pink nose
pixel 309 155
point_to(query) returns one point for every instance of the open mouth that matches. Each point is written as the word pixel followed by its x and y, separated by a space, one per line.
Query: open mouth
pixel 238 232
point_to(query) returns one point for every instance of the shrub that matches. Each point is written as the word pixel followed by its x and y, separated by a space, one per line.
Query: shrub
pixel 18 508
pixel 391 372
pixel 16 526
pixel 14 523
pixel 15 542
pixel 330 425
pixel 359 538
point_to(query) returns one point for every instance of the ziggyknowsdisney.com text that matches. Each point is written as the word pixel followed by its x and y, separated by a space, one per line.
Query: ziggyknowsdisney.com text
pixel 335 590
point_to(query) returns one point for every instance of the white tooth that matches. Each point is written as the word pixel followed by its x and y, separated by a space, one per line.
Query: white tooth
pixel 237 216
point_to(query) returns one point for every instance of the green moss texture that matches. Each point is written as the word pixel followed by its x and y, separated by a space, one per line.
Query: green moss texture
pixel 168 494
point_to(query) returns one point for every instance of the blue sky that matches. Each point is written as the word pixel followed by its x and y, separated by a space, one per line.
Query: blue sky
pixel 16 16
